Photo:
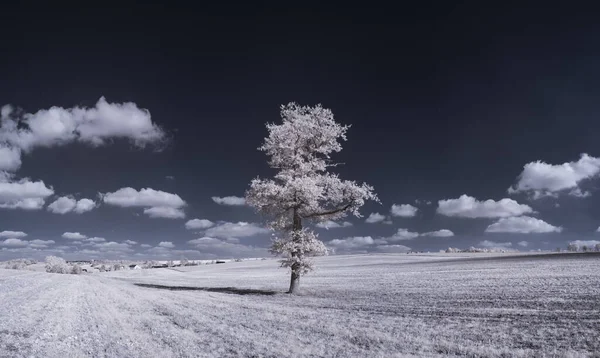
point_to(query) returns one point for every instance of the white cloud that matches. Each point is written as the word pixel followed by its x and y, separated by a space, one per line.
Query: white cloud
pixel 166 244
pixel 158 204
pixel 130 242
pixel 439 233
pixel 240 229
pixel 96 239
pixel 112 246
pixel 522 225
pixel 62 205
pixel 578 193
pixel 351 242
pixel 97 125
pixel 73 236
pixel 23 194
pixel 469 207
pixel 145 245
pixel 84 205
pixel 403 210
pixel 40 244
pixel 164 212
pixel 393 248
pixel 229 200
pixel 196 224
pixel 13 243
pixel 523 243
pixel 12 234
pixel 332 224
pixel 10 158
pixel 543 177
pixel 375 218
pixel 494 245
pixel 129 197
pixel 402 235
pixel 588 243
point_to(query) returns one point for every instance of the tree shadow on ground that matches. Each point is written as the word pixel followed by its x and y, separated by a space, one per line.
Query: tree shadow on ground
pixel 228 290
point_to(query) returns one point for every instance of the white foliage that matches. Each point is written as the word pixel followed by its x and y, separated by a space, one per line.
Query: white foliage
pixel 56 264
pixel 300 148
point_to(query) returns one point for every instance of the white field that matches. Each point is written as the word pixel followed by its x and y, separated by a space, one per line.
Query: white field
pixel 401 305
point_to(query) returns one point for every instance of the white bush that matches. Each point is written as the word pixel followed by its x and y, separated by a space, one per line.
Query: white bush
pixel 57 265
pixel 76 269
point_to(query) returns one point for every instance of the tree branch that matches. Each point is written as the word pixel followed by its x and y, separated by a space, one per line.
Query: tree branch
pixel 329 212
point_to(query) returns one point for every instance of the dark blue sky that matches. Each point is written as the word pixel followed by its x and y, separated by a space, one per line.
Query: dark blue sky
pixel 443 102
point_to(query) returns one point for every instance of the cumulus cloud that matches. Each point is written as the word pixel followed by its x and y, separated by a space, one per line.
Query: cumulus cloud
pixel 66 204
pixel 375 218
pixel 96 239
pixel 439 233
pixel 540 177
pixel 229 200
pixel 40 244
pixel 402 235
pixel 239 229
pixel 332 224
pixel 112 246
pixel 523 243
pixel 96 126
pixel 198 224
pixel 166 244
pixel 145 245
pixel 351 242
pixel 164 212
pixel 12 234
pixel 130 242
pixel 13 243
pixel 469 207
pixel 522 225
pixel 578 193
pixel 10 158
pixel 158 204
pixel 588 243
pixel 494 245
pixel 23 194
pixel 73 236
pixel 403 210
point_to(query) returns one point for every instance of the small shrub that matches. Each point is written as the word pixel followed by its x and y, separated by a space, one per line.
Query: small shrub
pixel 76 270
pixel 57 265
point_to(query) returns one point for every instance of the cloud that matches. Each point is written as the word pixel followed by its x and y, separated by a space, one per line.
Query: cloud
pixel 112 246
pixel 166 244
pixel 588 243
pixel 402 235
pixel 403 210
pixel 96 239
pixel 332 224
pixel 130 242
pixel 469 207
pixel 541 177
pixel 40 244
pixel 523 243
pixel 170 177
pixel 578 193
pixel 494 245
pixel 66 204
pixel 240 229
pixel 23 194
pixel 12 234
pixel 158 204
pixel 229 200
pixel 13 243
pixel 195 224
pixel 10 158
pixel 145 245
pixel 73 236
pixel 217 248
pixel 351 242
pixel 393 248
pixel 375 218
pixel 439 233
pixel 522 225
pixel 164 212
pixel 96 125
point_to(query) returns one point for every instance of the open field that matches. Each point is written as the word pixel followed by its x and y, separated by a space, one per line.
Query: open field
pixel 367 306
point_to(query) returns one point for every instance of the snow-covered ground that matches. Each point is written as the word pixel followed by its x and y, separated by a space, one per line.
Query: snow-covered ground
pixel 475 305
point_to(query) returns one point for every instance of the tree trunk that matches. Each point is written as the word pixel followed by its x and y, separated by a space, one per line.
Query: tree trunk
pixel 295 277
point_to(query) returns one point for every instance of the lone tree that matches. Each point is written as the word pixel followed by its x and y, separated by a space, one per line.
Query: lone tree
pixel 303 190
